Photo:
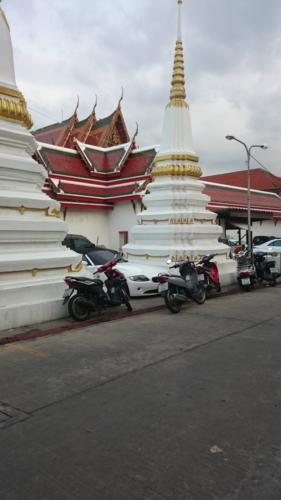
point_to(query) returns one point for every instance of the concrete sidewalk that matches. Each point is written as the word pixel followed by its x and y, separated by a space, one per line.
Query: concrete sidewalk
pixel 140 306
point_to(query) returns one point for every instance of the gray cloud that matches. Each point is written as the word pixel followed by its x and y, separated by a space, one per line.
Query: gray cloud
pixel 233 67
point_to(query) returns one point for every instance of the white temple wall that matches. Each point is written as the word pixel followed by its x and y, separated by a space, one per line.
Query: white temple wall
pixel 267 228
pixel 121 220
pixel 94 224
pixel 260 228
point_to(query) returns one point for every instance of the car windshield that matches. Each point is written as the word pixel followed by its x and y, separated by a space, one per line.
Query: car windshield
pixel 101 256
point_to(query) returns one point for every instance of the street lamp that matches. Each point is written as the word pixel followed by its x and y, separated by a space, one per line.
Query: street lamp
pixel 248 149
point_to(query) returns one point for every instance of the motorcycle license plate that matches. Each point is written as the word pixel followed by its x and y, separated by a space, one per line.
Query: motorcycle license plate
pixel 245 281
pixel 163 287
pixel 201 277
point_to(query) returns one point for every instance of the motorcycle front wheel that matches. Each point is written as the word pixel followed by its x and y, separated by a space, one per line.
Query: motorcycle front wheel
pixel 126 300
pixel 200 295
pixel 173 304
pixel 78 310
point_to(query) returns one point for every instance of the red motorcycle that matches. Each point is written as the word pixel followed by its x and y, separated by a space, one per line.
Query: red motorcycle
pixel 86 295
pixel 208 274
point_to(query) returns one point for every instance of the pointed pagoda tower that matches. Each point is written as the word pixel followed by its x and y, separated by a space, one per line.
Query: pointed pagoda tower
pixel 176 223
pixel 33 262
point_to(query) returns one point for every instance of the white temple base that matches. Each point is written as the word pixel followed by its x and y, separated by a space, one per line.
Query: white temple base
pixel 32 304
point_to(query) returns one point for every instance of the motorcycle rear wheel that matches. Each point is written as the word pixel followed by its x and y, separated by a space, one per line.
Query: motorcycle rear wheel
pixel 200 296
pixel 78 311
pixel 272 282
pixel 172 304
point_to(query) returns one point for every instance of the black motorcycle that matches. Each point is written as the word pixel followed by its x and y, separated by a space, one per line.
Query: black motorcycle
pixel 256 269
pixel 177 289
pixel 265 268
pixel 86 295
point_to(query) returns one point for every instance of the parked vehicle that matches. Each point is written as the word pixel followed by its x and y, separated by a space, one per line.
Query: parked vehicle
pixel 208 274
pixel 265 269
pixel 138 276
pixel 260 240
pixel 177 289
pixel 78 243
pixel 246 271
pixel 269 246
pixel 258 269
pixel 86 295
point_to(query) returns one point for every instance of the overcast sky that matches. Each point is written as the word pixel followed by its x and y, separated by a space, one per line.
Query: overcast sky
pixel 232 56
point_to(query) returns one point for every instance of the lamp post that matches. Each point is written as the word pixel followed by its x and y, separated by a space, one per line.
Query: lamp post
pixel 248 150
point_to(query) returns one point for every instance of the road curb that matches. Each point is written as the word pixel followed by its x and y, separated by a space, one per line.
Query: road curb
pixel 37 333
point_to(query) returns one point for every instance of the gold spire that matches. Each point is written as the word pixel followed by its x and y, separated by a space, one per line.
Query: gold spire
pixel 2 13
pixel 13 106
pixel 177 94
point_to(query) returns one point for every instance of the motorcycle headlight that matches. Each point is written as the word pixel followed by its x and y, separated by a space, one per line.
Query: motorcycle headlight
pixel 139 277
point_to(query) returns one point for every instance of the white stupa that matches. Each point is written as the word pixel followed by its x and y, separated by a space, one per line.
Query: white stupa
pixel 176 223
pixel 33 262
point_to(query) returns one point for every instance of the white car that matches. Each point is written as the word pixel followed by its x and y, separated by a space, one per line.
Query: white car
pixel 271 246
pixel 139 277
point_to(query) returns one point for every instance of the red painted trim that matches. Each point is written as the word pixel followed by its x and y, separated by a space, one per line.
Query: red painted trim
pixel 237 207
pixel 85 207
pixel 105 182
pixel 69 197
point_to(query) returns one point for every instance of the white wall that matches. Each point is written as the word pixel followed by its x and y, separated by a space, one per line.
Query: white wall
pixel 267 228
pixel 263 228
pixel 94 224
pixel 123 218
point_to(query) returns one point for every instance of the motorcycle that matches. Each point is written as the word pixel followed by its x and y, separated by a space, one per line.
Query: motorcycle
pixel 264 268
pixel 177 289
pixel 208 273
pixel 255 269
pixel 86 295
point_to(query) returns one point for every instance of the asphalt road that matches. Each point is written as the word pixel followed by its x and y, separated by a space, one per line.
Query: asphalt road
pixel 157 406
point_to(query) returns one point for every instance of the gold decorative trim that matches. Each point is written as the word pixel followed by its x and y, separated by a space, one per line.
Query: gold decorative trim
pixel 15 111
pixel 185 220
pixel 11 92
pixel 178 170
pixel 147 256
pixel 77 268
pixel 176 157
pixel 2 13
pixel 36 270
pixel 177 103
pixel 22 209
pixel 142 222
pixel 194 258
pixel 177 220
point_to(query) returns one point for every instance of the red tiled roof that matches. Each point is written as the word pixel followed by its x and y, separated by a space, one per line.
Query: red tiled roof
pixel 138 163
pixel 105 161
pixel 228 198
pixel 64 162
pixel 260 179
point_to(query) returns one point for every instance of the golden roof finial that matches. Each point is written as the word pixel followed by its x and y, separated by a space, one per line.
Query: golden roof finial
pixel 177 94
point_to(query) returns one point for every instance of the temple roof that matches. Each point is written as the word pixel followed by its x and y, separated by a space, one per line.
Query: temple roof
pixel 260 179
pixel 96 177
pixel 225 197
pixel 104 132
